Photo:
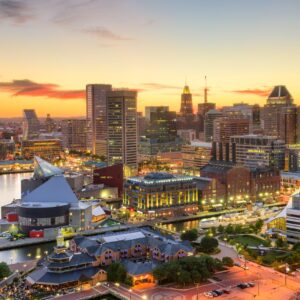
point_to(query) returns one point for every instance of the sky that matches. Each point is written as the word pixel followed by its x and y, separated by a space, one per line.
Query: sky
pixel 50 50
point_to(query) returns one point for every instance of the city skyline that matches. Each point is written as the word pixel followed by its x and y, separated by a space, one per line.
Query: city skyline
pixel 151 47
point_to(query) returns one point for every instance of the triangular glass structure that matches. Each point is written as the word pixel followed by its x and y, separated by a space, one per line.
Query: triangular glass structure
pixel 43 169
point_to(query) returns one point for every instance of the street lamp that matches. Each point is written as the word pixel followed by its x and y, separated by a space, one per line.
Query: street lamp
pixel 130 290
pixel 144 297
pixel 287 269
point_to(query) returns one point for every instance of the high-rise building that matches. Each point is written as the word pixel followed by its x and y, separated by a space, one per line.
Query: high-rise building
pixel 96 114
pixel 49 124
pixel 186 108
pixel 195 156
pixel 153 109
pixel 122 129
pixel 31 124
pixel 74 134
pixel 293 221
pixel 257 151
pixel 280 115
pixel 210 117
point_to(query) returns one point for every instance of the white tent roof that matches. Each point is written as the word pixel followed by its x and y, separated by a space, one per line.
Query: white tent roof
pixel 98 211
pixel 55 189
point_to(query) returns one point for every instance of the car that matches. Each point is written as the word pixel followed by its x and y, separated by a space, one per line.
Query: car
pixel 214 293
pixel 208 294
pixel 251 284
pixel 226 291
pixel 242 286
pixel 218 292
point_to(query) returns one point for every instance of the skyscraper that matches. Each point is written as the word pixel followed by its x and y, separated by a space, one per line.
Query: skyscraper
pixel 74 134
pixel 186 108
pixel 280 115
pixel 96 113
pixel 31 124
pixel 122 129
pixel 210 117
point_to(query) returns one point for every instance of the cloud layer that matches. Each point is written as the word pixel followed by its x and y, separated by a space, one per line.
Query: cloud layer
pixel 257 92
pixel 15 11
pixel 104 33
pixel 30 88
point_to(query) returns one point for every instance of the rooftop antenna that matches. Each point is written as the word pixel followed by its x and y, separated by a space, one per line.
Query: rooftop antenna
pixel 205 91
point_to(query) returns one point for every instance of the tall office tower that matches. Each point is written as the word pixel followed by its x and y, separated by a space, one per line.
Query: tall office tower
pixel 298 126
pixel 96 113
pixel 186 108
pixel 31 124
pixel 151 109
pixel 279 115
pixel 141 124
pixel 256 116
pixel 255 151
pixel 162 124
pixel 226 127
pixel 122 129
pixel 209 119
pixel 74 134
pixel 49 124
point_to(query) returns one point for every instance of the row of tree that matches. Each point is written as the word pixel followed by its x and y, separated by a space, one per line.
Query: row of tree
pixel 188 270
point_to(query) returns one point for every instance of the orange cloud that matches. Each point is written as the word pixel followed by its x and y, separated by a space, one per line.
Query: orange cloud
pixel 27 87
pixel 257 92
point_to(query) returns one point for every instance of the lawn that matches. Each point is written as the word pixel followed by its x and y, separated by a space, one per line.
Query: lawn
pixel 249 240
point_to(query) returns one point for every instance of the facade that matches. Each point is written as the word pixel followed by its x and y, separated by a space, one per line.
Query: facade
pixel 161 194
pixel 280 115
pixel 122 129
pixel 293 221
pixel 203 108
pixel 257 151
pixel 74 134
pixel 195 156
pixel 186 107
pixel 154 109
pixel 111 176
pixel 31 124
pixel 48 149
pixel 233 180
pixel 187 135
pixel 96 115
pixel 209 119
pixel 264 184
pixel 292 158
pixel 7 148
pixel 290 182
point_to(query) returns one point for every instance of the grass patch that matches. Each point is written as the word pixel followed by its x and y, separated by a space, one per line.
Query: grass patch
pixel 249 240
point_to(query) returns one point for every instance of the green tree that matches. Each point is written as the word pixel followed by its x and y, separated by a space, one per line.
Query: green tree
pixel 189 235
pixel 221 229
pixel 227 261
pixel 258 225
pixel 4 270
pixel 208 244
pixel 116 273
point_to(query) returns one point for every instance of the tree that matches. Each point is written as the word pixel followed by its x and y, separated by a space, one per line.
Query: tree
pixel 220 229
pixel 229 229
pixel 116 273
pixel 227 261
pixel 258 225
pixel 208 244
pixel 280 243
pixel 189 235
pixel 4 270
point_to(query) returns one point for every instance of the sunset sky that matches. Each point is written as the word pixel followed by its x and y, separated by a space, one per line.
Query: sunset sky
pixel 49 51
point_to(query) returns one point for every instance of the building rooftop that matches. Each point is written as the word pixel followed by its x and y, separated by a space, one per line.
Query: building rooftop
pixel 43 169
pixel 55 189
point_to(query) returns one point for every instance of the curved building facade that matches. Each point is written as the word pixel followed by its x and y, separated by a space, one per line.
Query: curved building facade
pixel 36 216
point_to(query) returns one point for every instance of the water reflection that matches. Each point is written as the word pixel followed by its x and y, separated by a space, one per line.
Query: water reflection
pixel 10 186
pixel 182 226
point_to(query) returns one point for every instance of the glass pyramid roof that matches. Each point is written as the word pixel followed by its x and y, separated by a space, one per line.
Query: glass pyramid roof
pixel 43 169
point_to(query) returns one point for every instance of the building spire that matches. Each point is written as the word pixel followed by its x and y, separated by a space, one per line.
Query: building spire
pixel 205 90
